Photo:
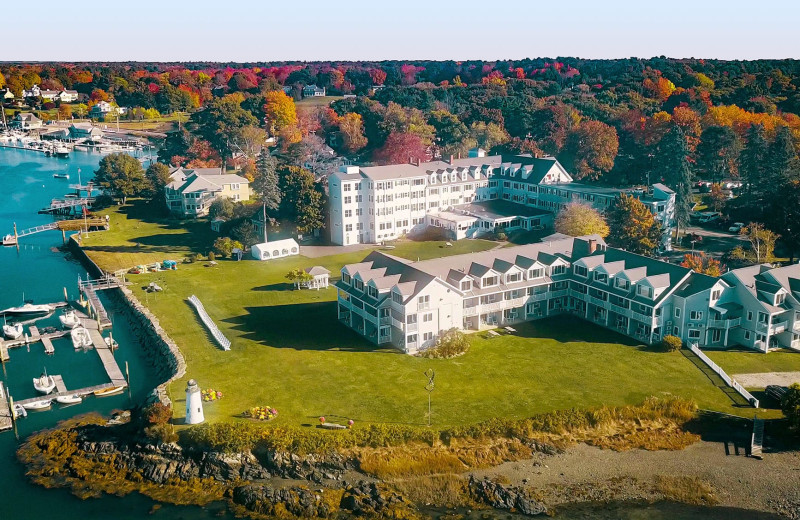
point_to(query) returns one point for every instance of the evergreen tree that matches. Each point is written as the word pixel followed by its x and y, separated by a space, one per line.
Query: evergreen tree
pixel 782 159
pixel 266 182
pixel 673 163
pixel 303 201
pixel 753 159
pixel 717 152
pixel 632 227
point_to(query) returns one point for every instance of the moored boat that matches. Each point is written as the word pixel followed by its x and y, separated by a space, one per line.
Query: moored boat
pixel 44 384
pixel 80 337
pixel 19 411
pixel 12 331
pixel 60 176
pixel 69 399
pixel 28 308
pixel 38 405
pixel 69 320
pixel 61 151
pixel 105 392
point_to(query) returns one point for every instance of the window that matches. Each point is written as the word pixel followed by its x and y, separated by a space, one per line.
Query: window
pixel 466 285
pixel 622 283
pixel 489 281
pixel 716 294
pixel 747 334
pixel 428 316
pixel 348 227
pixel 696 315
pixel 580 270
pixel 643 290
pixel 749 315
pixel 348 213
pixel 677 312
pixel 694 334
pixel 558 269
pixel 412 338
pixel 423 302
pixel 346 278
pixel 348 200
pixel 763 317
pixel 347 187
pixel 601 277
pixel 535 273
pixel 780 298
pixel 397 298
pixel 514 277
pixel 427 336
pixel 372 291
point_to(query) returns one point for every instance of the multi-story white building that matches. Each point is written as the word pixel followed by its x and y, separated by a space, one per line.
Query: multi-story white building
pixel 467 197
pixel 391 300
pixel 191 191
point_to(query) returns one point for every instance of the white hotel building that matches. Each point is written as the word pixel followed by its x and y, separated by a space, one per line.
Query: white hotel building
pixel 467 197
pixel 393 301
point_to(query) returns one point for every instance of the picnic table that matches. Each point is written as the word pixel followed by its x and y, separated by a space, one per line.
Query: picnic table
pixel 510 330
pixel 493 334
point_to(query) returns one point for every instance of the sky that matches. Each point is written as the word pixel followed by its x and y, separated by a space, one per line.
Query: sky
pixel 309 30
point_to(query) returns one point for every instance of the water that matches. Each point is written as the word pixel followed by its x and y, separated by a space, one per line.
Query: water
pixel 40 272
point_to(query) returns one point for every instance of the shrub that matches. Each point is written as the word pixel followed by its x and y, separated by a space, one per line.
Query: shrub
pixel 671 343
pixel 790 405
pixel 211 256
pixel 160 433
pixel 157 413
pixel 450 344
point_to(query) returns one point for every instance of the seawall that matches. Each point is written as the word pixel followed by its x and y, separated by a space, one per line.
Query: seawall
pixel 155 337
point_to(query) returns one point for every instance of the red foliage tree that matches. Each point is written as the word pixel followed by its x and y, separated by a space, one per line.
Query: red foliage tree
pixel 400 148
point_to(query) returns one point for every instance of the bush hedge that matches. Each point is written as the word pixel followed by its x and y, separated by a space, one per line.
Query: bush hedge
pixel 671 343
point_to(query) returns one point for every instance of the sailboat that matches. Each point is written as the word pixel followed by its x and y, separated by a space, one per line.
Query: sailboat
pixel 80 337
pixel 69 320
pixel 44 383
pixel 12 331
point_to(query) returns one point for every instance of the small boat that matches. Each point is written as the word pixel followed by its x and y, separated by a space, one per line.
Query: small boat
pixel 28 308
pixel 19 411
pixel 44 384
pixel 80 337
pixel 69 399
pixel 69 320
pixel 60 176
pixel 38 405
pixel 61 151
pixel 113 390
pixel 111 342
pixel 9 240
pixel 12 331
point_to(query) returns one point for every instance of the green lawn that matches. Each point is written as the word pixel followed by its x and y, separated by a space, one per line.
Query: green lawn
pixel 290 352
pixel 321 101
pixel 750 362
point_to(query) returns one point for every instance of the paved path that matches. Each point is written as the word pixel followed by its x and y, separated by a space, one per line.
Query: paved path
pixel 763 379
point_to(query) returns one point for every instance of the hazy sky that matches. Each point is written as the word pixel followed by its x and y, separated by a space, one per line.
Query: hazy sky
pixel 253 30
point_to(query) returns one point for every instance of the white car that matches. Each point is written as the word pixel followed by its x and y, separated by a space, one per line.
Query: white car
pixel 736 227
pixel 708 216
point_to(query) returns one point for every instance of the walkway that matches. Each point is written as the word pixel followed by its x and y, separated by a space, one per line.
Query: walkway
pixel 763 379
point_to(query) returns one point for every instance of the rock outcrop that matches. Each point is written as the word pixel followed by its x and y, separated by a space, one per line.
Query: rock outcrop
pixel 499 496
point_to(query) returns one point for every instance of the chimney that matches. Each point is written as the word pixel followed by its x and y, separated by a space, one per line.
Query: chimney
pixel 592 245
pixel 459 154
pixel 451 158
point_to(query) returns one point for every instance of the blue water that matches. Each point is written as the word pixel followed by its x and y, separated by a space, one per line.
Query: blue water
pixel 39 271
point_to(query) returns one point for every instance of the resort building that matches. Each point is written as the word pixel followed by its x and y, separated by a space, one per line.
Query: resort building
pixel 313 91
pixel 393 301
pixel 191 191
pixel 468 197
pixel 26 121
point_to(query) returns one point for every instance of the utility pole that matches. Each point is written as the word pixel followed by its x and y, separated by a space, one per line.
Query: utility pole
pixel 264 215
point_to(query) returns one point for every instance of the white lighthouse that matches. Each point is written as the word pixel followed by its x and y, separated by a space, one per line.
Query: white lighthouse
pixel 194 403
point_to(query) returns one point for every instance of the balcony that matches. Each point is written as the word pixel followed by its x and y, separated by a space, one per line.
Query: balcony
pixel 537 297
pixel 471 311
pixel 777 328
pixel 411 327
pixel 724 324
pixel 559 293
pixel 386 320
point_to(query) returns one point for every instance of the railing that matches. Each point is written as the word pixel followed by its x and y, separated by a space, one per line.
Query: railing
pixel 471 311
pixel 777 328
pixel 724 324
pixel 725 377
pixel 537 297
pixel 224 342
pixel 559 293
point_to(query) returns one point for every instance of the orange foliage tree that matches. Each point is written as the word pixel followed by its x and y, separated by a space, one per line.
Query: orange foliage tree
pixel 702 263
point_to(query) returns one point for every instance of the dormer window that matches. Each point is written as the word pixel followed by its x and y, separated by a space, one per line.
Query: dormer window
pixel 780 298
pixel 358 284
pixel 715 294
pixel 535 273
pixel 372 291
pixel 558 269
pixel 622 283
pixel 643 290
pixel 600 277
pixel 466 285
pixel 346 278
pixel 489 281
pixel 580 270
pixel 397 298
pixel 513 277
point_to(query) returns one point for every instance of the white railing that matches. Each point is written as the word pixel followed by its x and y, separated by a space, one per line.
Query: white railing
pixel 725 377
pixel 224 342
pixel 724 324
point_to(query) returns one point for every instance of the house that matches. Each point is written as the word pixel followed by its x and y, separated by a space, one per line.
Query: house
pixel 26 121
pixel 6 94
pixel 192 190
pixel 49 95
pixel 319 278
pixel 33 92
pixel 313 91
pixel 104 108
pixel 68 96
pixel 276 249
pixel 85 131
pixel 394 301
pixel 469 197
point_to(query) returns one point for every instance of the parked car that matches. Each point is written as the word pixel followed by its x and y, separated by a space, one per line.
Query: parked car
pixel 736 227
pixel 709 216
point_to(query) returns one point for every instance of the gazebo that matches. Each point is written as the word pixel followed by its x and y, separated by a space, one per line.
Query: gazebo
pixel 319 278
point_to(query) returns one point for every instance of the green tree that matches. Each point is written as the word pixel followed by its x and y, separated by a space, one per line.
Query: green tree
pixel 672 158
pixel 222 122
pixel 790 405
pixel 158 176
pixel 121 175
pixel 302 201
pixel 224 246
pixel 762 245
pixel 753 159
pixel 298 277
pixel 453 136
pixel 245 233
pixel 632 227
pixel 223 208
pixel 579 220
pixel 176 147
pixel 488 135
pixel 266 182
pixel 717 152
pixel 782 159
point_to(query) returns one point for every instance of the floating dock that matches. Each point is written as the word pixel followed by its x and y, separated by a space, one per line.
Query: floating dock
pixel 6 421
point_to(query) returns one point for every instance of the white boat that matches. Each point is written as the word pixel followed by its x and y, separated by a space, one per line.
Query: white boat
pixel 69 320
pixel 38 405
pixel 69 399
pixel 9 240
pixel 114 390
pixel 44 383
pixel 61 151
pixel 80 337
pixel 60 176
pixel 28 308
pixel 111 342
pixel 19 411
pixel 12 331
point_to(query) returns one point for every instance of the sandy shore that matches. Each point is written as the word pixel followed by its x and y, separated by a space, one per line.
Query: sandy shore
pixel 586 473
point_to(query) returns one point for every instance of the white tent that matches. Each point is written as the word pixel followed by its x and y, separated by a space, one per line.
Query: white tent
pixel 276 249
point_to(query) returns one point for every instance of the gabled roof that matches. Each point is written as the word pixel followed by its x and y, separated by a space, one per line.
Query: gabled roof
pixel 316 270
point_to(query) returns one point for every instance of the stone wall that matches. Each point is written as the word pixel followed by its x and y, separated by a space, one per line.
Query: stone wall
pixel 156 336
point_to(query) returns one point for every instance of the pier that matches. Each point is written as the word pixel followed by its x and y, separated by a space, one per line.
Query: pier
pixel 77 224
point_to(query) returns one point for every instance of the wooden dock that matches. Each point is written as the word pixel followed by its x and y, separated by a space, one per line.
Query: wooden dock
pixel 3 352
pixel 107 357
pixel 6 421
pixel 83 392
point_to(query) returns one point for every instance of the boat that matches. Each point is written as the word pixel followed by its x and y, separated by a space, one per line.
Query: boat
pixel 12 331
pixel 9 240
pixel 69 320
pixel 44 383
pixel 80 337
pixel 38 405
pixel 19 411
pixel 69 399
pixel 60 176
pixel 29 308
pixel 111 342
pixel 105 392
pixel 61 151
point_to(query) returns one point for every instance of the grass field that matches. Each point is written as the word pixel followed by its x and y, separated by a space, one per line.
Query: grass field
pixel 321 101
pixel 750 362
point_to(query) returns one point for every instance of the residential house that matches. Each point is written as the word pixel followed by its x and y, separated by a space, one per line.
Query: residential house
pixel 26 121
pixel 313 91
pixel 68 96
pixel 192 190
pixel 49 95
pixel 6 94
pixel 85 131
pixel 104 108
pixel 468 197
pixel 33 92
